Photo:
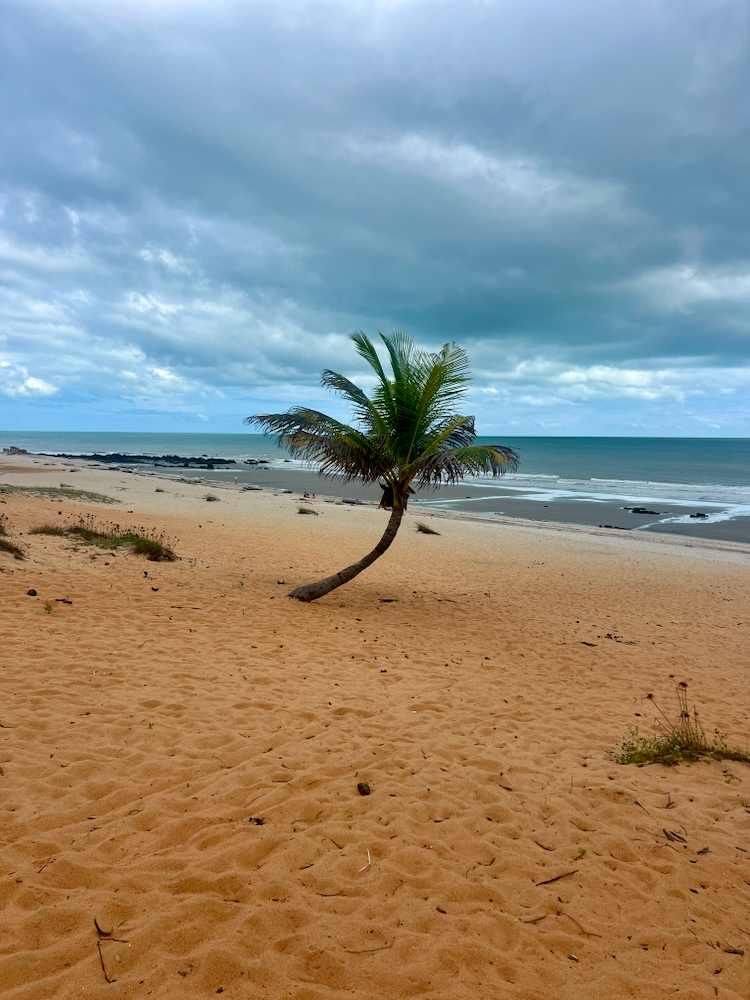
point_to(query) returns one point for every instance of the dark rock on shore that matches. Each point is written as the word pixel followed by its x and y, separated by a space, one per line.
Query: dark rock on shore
pixel 641 510
pixel 699 515
pixel 159 461
pixel 617 527
pixel 12 450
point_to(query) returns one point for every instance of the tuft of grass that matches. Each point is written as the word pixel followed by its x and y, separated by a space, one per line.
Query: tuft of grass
pixel 5 543
pixel 210 498
pixel 677 741
pixel 308 510
pixel 425 529
pixel 12 549
pixel 153 548
pixel 48 607
pixel 140 541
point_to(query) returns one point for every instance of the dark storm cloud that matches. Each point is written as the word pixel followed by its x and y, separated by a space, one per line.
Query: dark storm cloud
pixel 201 200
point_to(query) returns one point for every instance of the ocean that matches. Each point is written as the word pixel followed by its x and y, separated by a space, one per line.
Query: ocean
pixel 713 473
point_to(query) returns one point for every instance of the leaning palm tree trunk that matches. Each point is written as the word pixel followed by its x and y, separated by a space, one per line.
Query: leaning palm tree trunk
pixel 312 591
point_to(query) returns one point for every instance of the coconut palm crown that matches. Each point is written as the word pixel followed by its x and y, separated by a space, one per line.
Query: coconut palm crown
pixel 406 433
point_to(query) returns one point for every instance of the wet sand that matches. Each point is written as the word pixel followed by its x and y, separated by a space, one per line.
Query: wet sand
pixel 181 747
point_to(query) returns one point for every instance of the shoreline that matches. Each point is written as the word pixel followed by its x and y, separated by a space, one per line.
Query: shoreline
pixel 713 505
pixel 275 482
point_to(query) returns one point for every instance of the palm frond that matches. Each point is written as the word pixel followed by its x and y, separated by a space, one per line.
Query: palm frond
pixel 450 465
pixel 400 348
pixel 442 379
pixel 366 350
pixel 365 410
pixel 336 447
pixel 450 432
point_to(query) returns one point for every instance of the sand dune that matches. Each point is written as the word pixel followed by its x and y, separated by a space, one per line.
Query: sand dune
pixel 181 746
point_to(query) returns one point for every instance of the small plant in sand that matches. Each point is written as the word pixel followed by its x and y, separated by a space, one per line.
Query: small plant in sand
pixel 425 529
pixel 5 543
pixel 406 433
pixel 677 740
pixel 307 510
pixel 140 541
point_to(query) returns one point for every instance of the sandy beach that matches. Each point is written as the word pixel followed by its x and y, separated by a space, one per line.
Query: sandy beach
pixel 181 745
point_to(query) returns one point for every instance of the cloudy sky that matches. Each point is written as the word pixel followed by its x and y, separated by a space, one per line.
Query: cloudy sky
pixel 201 199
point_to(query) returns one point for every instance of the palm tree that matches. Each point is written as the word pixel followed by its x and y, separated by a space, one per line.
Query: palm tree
pixel 406 432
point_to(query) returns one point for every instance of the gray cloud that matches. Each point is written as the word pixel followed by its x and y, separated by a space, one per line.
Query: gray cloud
pixel 199 201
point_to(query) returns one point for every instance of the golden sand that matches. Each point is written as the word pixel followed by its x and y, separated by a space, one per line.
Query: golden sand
pixel 181 747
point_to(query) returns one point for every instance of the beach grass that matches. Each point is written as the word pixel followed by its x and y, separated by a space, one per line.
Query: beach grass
pixel 140 541
pixel 6 545
pixel 425 529
pixel 11 548
pixel 56 493
pixel 677 741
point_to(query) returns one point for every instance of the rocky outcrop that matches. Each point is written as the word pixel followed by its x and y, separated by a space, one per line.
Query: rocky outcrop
pixel 158 461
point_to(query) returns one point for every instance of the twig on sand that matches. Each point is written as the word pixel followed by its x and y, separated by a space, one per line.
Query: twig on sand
pixel 549 881
pixel 560 913
pixel 368 951
pixel 369 862
pixel 543 846
pixel 673 835
pixel 583 930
